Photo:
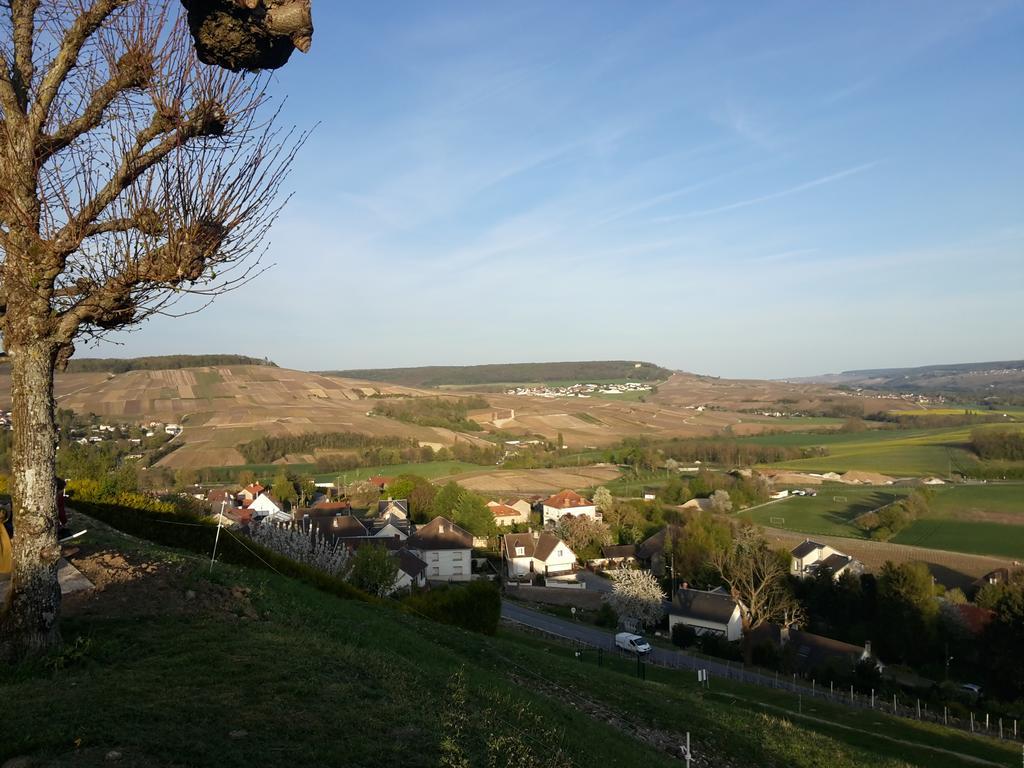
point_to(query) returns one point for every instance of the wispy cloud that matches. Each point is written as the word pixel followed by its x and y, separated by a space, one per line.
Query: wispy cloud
pixel 821 181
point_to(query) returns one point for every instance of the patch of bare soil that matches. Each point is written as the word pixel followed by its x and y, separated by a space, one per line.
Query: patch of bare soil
pixel 129 585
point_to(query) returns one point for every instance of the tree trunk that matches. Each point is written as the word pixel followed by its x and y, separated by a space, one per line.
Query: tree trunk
pixel 30 623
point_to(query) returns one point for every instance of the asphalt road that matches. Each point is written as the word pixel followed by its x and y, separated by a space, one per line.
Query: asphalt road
pixel 599 638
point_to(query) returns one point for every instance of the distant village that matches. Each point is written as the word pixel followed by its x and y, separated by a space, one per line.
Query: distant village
pixel 581 390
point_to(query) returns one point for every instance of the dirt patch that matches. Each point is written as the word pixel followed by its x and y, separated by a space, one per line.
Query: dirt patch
pixel 126 585
pixel 866 478
pixel 539 481
pixel 987 516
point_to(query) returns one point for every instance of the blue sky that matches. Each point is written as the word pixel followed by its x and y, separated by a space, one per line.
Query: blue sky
pixel 740 189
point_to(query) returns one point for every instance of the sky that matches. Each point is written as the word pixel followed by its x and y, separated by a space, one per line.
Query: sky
pixel 738 189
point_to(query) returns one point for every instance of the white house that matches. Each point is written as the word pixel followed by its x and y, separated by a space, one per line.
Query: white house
pixel 529 553
pixel 567 503
pixel 810 557
pixel 445 548
pixel 506 514
pixel 707 613
pixel 412 572
pixel 265 508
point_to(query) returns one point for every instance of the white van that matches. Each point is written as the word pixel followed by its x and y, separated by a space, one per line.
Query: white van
pixel 627 641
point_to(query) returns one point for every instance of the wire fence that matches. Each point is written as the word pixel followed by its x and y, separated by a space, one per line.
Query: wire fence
pixel 983 724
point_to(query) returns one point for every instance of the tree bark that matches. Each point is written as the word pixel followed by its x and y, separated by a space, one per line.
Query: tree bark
pixel 30 624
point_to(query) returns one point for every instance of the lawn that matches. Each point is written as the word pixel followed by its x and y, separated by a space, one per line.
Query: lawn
pixel 178 667
pixel 830 513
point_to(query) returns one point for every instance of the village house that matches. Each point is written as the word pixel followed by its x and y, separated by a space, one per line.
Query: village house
pixel 529 553
pixel 507 515
pixel 711 612
pixel 810 558
pixel 567 503
pixel 614 556
pixel 248 494
pixel 650 553
pixel 266 509
pixel 445 547
pixel 809 653
pixel 412 571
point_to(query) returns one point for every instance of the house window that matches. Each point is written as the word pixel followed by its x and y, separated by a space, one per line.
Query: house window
pixel 520 551
pixel 457 571
pixel 434 557
pixel 457 556
pixel 435 571
pixel 561 552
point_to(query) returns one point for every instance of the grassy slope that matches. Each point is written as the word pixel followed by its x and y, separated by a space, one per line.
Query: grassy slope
pixel 314 680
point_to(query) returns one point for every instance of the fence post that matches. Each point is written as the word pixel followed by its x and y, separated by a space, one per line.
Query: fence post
pixel 945 715
pixel 894 710
pixel 851 694
pixel 972 722
pixel 986 722
pixel 918 709
pixel 1000 727
pixel 872 698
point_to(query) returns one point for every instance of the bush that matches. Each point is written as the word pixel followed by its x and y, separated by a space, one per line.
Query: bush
pixel 606 617
pixel 476 606
pixel 766 654
pixel 683 636
pixel 715 645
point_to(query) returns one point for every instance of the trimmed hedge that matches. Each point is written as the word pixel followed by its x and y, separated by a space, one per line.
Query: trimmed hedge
pixel 475 606
pixel 195 534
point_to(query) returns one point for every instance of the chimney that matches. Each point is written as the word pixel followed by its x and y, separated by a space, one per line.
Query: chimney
pixel 686 585
pixel 783 636
pixel 536 535
pixel 867 648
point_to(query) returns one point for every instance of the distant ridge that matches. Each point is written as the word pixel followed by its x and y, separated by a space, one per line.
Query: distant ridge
pixel 510 373
pixel 999 377
pixel 158 363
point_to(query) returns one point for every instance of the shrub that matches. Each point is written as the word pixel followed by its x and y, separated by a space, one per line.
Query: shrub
pixel 683 636
pixel 606 617
pixel 476 606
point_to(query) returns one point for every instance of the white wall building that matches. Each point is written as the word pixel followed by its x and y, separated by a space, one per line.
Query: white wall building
pixel 445 548
pixel 567 503
pixel 529 553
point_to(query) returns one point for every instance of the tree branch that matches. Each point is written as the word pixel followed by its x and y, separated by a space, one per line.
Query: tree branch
pixel 81 30
pixel 8 95
pixel 23 14
pixel 207 119
pixel 134 69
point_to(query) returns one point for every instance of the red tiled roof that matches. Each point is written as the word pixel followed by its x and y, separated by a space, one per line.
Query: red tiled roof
pixel 502 510
pixel 566 499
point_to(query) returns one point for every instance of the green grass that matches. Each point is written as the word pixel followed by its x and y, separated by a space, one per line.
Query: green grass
pixel 960 517
pixel 429 469
pixel 172 681
pixel 823 514
pixel 965 536
pixel 899 453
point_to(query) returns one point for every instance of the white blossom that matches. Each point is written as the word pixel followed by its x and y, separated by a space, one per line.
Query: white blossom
pixel 636 594
pixel 303 547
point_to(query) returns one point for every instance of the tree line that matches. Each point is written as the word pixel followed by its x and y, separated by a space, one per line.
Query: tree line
pixel 434 412
pixel 998 444
pixel 268 449
pixel 159 363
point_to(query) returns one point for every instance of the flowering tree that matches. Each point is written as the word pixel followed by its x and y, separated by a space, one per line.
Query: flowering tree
pixel 303 547
pixel 603 500
pixel 636 594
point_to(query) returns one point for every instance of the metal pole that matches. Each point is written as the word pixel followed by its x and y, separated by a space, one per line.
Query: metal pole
pixel 872 698
pixel 894 703
pixel 972 722
pixel 216 538
pixel 945 715
pixel 918 709
pixel 851 694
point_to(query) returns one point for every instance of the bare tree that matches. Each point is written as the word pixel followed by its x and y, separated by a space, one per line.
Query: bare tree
pixel 756 576
pixel 130 176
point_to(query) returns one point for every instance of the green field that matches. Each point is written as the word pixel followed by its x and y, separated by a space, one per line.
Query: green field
pixel 429 469
pixel 138 673
pixel 899 453
pixel 831 512
pixel 984 519
pixel 965 536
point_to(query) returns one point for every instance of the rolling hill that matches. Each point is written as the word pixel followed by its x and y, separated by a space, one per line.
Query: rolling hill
pixel 510 373
pixel 1005 377
pixel 224 406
